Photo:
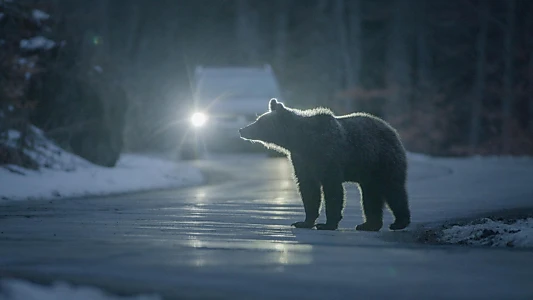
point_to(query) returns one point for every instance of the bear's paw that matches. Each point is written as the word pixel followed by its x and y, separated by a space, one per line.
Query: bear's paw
pixel 303 225
pixel 399 225
pixel 367 226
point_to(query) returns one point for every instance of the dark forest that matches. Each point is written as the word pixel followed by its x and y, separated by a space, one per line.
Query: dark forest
pixel 455 77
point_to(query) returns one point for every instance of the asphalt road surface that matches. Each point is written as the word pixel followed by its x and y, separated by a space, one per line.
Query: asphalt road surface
pixel 231 239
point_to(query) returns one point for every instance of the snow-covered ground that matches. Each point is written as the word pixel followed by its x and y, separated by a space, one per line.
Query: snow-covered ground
pixel 477 191
pixel 11 289
pixel 493 232
pixel 132 173
pixel 63 174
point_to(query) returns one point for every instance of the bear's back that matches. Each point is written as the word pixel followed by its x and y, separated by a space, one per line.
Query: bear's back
pixel 371 141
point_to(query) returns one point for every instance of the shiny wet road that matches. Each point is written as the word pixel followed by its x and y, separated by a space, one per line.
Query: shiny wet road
pixel 231 239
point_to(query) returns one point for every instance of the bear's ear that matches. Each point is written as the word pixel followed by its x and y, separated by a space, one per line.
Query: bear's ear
pixel 275 105
pixel 272 105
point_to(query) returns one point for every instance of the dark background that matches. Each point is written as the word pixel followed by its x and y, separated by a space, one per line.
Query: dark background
pixel 455 77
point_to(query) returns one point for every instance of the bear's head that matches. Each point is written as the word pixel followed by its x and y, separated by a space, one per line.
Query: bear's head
pixel 271 128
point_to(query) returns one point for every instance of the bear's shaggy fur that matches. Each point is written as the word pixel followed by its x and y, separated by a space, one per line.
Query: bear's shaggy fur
pixel 328 150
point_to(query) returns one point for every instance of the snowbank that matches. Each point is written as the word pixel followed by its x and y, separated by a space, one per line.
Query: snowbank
pixel 488 232
pixel 132 173
pixel 21 290
pixel 63 174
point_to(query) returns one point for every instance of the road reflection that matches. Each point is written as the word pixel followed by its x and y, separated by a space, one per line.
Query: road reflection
pixel 250 252
pixel 244 220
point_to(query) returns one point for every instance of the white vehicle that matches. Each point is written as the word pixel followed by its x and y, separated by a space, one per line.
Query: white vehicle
pixel 224 100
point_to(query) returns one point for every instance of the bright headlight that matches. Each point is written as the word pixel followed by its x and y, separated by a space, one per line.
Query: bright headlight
pixel 198 119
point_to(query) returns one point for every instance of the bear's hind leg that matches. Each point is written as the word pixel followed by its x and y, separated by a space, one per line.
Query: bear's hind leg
pixel 373 202
pixel 397 201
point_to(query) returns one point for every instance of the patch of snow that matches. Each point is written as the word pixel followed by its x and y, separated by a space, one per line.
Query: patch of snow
pixel 10 108
pixel 133 173
pixel 13 134
pixel 12 289
pixel 64 174
pixel 40 15
pixel 98 69
pixel 487 232
pixel 495 158
pixel 46 153
pixel 24 61
pixel 38 42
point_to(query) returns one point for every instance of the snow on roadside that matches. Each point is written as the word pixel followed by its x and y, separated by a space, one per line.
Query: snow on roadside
pixel 488 232
pixel 63 174
pixel 483 158
pixel 132 173
pixel 46 153
pixel 11 289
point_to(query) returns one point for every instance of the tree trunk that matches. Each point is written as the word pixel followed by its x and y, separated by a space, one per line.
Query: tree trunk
pixel 134 32
pixel 245 31
pixel 508 100
pixel 104 29
pixel 282 23
pixel 479 84
pixel 330 74
pixel 424 96
pixel 354 41
pixel 398 58
pixel 345 67
pixel 531 89
pixel 423 55
pixel 529 41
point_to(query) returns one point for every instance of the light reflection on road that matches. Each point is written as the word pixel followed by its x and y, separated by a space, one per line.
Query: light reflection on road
pixel 245 219
pixel 245 216
pixel 265 252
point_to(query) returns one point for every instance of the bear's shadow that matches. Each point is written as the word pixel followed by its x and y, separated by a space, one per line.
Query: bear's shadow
pixel 349 237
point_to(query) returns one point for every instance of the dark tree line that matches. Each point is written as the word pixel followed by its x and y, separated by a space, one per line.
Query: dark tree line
pixel 47 83
pixel 455 77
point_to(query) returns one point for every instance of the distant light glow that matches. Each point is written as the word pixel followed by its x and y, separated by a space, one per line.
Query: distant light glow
pixel 97 40
pixel 198 119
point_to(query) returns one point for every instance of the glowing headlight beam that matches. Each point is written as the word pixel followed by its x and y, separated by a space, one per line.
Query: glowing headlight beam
pixel 198 119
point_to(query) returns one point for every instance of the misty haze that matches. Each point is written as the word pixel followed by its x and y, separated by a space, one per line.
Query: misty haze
pixel 281 149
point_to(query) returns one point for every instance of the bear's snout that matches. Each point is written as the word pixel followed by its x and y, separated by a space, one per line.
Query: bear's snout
pixel 247 132
pixel 242 132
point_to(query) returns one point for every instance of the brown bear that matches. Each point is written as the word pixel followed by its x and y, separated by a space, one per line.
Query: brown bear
pixel 327 150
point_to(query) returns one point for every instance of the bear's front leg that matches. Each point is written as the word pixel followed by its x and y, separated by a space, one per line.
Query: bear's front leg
pixel 310 193
pixel 334 198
